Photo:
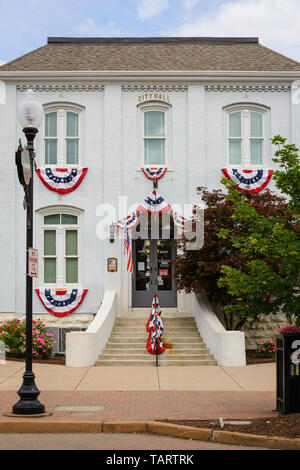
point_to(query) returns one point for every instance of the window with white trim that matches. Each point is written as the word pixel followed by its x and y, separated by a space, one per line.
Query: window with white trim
pixel 62 142
pixel 154 135
pixel 60 248
pixel 246 136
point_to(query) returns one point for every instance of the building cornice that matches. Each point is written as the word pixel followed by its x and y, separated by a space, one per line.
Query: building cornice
pixel 60 87
pixel 248 88
pixel 146 75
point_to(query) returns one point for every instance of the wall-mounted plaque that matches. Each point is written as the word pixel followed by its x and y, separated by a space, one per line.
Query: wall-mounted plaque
pixel 112 264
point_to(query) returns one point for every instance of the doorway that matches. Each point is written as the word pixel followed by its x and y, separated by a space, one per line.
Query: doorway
pixel 153 272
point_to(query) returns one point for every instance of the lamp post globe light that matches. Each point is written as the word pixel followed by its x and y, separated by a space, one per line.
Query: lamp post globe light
pixel 30 116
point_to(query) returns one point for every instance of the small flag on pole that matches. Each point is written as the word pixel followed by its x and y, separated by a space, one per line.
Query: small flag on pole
pixel 128 250
pixel 155 328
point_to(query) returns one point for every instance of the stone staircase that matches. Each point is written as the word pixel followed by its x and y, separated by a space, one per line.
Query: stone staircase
pixel 127 343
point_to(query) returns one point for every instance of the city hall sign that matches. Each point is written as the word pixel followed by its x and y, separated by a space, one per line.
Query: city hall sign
pixel 156 96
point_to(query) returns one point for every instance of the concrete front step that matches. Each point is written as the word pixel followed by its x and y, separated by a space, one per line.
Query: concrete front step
pixel 127 343
pixel 142 357
pixel 169 339
pixel 142 323
pixel 141 326
pixel 146 317
pixel 143 334
pixel 151 362
pixel 141 349
pixel 142 344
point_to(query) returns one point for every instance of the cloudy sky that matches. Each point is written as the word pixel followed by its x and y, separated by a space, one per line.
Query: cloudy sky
pixel 26 24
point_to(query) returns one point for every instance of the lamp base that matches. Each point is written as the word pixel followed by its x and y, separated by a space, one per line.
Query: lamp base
pixel 28 393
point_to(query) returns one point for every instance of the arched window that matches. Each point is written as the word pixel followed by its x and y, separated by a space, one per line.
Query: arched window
pixel 62 139
pixel 60 247
pixel 246 135
pixel 154 135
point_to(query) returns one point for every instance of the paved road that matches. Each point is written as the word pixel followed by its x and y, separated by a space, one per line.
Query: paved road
pixel 104 442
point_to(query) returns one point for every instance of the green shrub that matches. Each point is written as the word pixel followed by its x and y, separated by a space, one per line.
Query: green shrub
pixel 13 335
pixel 266 349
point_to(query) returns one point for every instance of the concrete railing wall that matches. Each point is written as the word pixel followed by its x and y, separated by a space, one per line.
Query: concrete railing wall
pixel 83 348
pixel 228 347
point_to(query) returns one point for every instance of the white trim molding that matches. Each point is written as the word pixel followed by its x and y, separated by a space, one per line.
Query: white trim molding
pixel 61 87
pixel 170 75
pixel 247 88
pixel 154 88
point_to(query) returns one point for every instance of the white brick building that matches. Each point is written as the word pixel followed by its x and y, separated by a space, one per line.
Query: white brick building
pixel 193 105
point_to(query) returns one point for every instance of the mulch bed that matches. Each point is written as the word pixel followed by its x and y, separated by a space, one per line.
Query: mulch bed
pixel 59 360
pixel 252 358
pixel 280 426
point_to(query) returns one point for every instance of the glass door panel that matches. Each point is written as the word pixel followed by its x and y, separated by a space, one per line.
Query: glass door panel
pixel 164 267
pixel 142 265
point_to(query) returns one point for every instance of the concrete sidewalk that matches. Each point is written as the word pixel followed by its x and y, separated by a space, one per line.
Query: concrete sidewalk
pixel 144 393
pixel 259 377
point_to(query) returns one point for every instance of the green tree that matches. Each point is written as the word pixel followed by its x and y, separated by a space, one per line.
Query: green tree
pixel 288 178
pixel 269 281
pixel 199 270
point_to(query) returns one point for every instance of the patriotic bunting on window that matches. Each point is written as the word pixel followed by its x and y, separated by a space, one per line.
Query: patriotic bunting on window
pixel 61 302
pixel 249 180
pixel 154 173
pixel 155 328
pixel 61 180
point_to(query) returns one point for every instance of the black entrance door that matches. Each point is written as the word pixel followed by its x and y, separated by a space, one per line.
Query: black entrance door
pixel 153 272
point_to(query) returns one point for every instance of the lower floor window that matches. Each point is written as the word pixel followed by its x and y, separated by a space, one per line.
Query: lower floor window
pixel 60 249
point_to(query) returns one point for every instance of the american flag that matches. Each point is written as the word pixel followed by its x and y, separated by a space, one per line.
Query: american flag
pixel 128 250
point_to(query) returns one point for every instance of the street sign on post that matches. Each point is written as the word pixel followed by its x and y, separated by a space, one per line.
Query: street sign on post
pixel 23 165
pixel 33 262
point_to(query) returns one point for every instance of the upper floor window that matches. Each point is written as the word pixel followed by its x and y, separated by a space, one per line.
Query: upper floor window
pixel 246 137
pixel 62 136
pixel 60 248
pixel 154 135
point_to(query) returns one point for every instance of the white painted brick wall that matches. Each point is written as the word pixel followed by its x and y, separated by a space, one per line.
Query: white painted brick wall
pixel 113 157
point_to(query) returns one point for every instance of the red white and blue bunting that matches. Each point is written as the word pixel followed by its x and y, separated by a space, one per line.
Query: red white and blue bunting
pixel 154 204
pixel 155 328
pixel 179 220
pixel 130 222
pixel 61 180
pixel 154 173
pixel 249 180
pixel 61 302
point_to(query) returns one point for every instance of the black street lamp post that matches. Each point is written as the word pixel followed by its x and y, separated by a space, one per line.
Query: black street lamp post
pixel 30 115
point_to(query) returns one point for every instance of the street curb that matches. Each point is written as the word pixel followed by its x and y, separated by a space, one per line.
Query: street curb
pixel 150 427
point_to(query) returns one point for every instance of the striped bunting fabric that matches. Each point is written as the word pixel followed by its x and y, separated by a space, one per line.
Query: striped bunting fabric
pixel 130 222
pixel 249 180
pixel 61 180
pixel 128 251
pixel 154 173
pixel 154 204
pixel 61 303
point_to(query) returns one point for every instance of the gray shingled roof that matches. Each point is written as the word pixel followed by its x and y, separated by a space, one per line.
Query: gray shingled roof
pixel 161 54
